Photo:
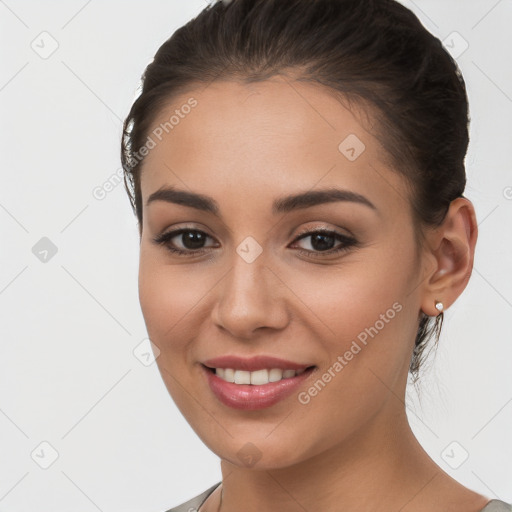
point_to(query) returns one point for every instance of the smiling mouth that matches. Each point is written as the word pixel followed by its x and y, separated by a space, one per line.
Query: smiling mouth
pixel 258 377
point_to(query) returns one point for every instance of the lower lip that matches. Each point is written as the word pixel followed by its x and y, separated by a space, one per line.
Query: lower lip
pixel 251 397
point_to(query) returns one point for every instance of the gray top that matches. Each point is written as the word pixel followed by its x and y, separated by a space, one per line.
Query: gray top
pixel 194 504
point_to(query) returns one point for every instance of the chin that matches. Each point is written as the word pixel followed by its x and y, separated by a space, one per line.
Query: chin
pixel 256 449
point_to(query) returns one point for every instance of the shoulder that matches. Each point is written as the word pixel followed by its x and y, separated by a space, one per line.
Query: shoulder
pixel 497 506
pixel 194 504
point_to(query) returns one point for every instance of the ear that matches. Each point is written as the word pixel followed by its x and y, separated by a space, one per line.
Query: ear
pixel 451 250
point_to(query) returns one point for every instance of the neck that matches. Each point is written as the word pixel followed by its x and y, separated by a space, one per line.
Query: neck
pixel 381 466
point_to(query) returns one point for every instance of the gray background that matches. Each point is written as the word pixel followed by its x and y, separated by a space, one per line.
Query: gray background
pixel 73 374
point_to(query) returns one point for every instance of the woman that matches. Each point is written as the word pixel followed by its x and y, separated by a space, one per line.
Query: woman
pixel 297 171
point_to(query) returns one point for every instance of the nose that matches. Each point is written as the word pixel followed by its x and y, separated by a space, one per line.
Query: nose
pixel 251 297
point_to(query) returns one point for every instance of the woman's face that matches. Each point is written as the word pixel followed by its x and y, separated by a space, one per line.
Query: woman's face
pixel 253 285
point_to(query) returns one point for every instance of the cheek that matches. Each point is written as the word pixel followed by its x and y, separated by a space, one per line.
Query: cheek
pixel 354 298
pixel 169 299
pixel 167 295
pixel 367 358
pixel 367 324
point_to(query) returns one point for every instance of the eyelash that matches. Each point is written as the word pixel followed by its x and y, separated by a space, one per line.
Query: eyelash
pixel 348 242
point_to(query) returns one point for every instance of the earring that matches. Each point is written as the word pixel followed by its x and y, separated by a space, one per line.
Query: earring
pixel 439 306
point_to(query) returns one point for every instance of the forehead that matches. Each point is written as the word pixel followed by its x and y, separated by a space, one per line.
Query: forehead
pixel 265 138
pixel 241 115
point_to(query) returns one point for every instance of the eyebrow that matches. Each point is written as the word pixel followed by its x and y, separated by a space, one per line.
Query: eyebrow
pixel 282 205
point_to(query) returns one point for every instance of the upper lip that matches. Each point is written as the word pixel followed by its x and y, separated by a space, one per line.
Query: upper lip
pixel 253 363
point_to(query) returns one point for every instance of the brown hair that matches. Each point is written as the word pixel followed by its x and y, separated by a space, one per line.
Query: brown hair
pixel 374 52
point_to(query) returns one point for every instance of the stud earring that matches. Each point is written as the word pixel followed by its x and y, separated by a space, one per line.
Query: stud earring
pixel 439 306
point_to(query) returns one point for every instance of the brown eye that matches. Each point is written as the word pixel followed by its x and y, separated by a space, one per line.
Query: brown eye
pixel 323 240
pixel 192 241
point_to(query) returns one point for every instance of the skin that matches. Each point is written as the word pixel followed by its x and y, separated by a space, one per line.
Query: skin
pixel 244 146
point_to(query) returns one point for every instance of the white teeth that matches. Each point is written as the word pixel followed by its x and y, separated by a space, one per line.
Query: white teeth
pixel 242 377
pixel 259 377
pixel 275 374
pixel 256 378
pixel 229 374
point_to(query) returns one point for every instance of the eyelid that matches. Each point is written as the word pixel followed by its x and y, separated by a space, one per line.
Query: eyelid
pixel 347 241
pixel 185 227
pixel 304 231
pixel 325 228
